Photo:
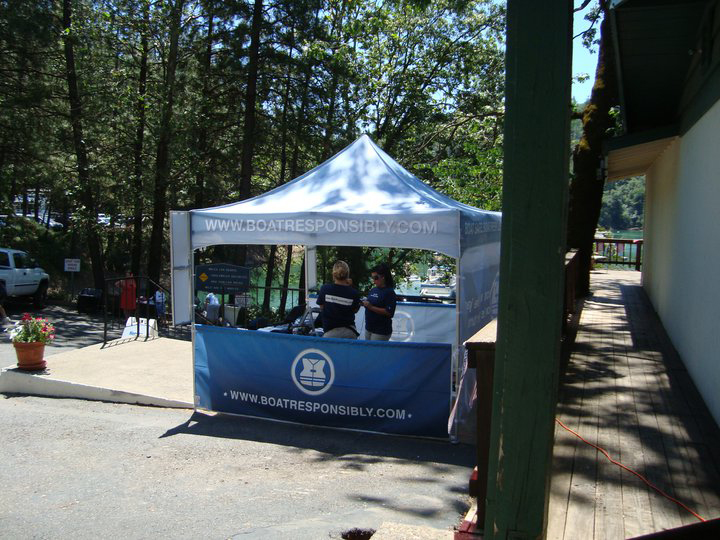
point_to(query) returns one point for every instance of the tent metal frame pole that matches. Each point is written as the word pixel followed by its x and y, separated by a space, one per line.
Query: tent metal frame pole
pixel 191 290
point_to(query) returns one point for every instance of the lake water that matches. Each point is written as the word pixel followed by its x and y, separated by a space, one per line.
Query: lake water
pixel 627 235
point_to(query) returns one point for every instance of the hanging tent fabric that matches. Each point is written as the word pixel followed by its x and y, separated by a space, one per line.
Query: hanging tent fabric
pixel 359 197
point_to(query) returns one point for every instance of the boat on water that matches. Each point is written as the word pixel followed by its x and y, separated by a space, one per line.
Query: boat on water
pixel 437 290
pixel 435 286
pixel 438 285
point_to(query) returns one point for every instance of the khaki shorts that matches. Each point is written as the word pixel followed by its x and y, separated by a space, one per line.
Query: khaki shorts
pixel 341 332
pixel 371 336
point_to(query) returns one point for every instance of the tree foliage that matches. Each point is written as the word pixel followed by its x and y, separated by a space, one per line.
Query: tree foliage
pixel 623 204
pixel 179 104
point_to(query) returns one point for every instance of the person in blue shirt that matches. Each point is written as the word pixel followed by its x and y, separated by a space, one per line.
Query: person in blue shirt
pixel 380 305
pixel 212 308
pixel 339 302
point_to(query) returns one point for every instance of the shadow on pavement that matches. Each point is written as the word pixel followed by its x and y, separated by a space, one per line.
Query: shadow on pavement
pixel 72 329
pixel 359 449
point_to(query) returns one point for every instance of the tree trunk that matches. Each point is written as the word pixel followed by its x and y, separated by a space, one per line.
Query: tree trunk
pixel 330 121
pixel 300 123
pixel 286 280
pixel 301 281
pixel 269 276
pixel 202 134
pixel 248 146
pixel 36 203
pixel 162 162
pixel 284 122
pixel 83 162
pixel 136 250
pixel 283 170
pixel 586 187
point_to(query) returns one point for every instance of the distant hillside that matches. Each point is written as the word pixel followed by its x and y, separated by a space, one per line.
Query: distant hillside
pixel 623 204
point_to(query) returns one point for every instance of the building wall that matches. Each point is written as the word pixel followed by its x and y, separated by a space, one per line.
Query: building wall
pixel 681 266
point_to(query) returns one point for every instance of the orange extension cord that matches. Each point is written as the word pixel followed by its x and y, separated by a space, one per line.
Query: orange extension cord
pixel 641 477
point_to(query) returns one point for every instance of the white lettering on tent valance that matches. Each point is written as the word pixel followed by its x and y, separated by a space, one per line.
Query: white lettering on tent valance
pixel 323 225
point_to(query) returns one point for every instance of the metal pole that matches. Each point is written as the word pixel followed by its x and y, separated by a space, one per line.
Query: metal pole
pixel 147 311
pixel 137 311
pixel 105 302
pixel 222 306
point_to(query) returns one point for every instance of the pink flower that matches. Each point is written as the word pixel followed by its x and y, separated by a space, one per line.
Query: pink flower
pixel 26 317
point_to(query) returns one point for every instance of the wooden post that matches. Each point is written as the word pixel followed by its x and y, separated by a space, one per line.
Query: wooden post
pixel 481 356
pixel 535 186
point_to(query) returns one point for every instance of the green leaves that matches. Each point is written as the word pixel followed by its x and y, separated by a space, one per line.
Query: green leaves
pixel 424 79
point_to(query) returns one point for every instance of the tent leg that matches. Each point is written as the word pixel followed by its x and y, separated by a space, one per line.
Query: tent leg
pixel 310 270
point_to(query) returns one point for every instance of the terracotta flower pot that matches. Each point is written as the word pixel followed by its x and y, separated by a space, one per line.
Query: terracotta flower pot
pixel 30 356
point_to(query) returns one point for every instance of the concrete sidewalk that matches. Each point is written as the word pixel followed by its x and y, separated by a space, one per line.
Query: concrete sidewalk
pixel 153 372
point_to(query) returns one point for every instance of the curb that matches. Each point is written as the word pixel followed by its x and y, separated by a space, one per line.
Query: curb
pixel 13 380
pixel 400 531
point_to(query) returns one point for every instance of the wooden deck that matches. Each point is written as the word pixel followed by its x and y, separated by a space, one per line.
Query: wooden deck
pixel 627 391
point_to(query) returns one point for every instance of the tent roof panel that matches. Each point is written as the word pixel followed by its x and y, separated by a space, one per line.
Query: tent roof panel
pixel 359 180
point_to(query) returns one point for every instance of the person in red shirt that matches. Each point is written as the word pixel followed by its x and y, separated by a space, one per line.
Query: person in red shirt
pixel 128 295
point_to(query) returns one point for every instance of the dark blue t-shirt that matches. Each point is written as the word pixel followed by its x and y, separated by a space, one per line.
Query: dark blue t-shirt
pixel 384 298
pixel 340 302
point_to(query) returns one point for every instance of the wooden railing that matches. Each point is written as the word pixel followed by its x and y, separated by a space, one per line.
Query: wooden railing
pixel 618 251
pixel 481 356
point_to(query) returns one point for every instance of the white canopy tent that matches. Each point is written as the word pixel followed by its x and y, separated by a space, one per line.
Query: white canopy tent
pixel 359 197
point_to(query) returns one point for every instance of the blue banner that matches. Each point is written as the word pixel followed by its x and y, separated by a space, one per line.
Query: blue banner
pixel 401 388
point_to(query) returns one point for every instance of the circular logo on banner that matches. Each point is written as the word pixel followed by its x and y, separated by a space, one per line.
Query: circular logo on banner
pixel 313 372
pixel 403 326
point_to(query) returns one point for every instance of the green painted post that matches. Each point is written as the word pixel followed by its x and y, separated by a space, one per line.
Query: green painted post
pixel 535 185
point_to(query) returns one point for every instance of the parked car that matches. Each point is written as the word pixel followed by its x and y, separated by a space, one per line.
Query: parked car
pixel 49 222
pixel 23 277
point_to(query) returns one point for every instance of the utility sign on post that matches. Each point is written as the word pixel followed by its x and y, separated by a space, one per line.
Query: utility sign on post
pixel 72 265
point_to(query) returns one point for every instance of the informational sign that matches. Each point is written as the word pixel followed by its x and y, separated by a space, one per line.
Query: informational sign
pixel 401 388
pixel 72 265
pixel 222 278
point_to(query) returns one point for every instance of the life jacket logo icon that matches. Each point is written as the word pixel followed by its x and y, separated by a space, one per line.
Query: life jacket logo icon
pixel 313 372
pixel 403 326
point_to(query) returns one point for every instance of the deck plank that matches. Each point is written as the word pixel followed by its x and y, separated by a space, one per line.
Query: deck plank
pixel 627 390
pixel 580 521
pixel 560 482
pixel 609 490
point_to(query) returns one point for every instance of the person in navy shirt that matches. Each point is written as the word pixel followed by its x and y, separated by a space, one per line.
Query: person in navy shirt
pixel 339 302
pixel 380 305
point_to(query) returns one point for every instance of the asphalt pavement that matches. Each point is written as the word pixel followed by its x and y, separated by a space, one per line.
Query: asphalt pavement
pixel 80 469
pixel 73 329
